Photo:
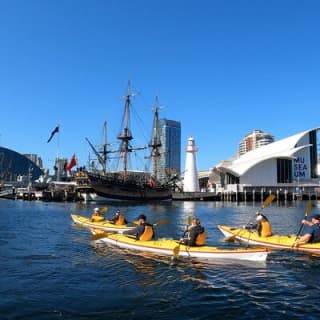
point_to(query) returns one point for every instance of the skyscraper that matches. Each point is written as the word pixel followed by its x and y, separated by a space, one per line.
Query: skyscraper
pixel 170 150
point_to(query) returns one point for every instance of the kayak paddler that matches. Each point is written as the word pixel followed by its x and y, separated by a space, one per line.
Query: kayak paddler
pixel 195 234
pixel 97 215
pixel 118 219
pixel 143 231
pixel 312 234
pixel 262 225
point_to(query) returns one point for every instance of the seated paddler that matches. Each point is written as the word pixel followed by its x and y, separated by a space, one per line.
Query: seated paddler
pixel 312 234
pixel 118 219
pixel 97 215
pixel 194 235
pixel 262 225
pixel 143 231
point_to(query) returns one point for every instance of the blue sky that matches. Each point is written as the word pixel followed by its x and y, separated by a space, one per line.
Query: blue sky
pixel 222 68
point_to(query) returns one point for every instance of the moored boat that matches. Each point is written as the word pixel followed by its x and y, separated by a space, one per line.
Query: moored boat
pixel 123 183
pixel 171 247
pixel 284 242
pixel 104 225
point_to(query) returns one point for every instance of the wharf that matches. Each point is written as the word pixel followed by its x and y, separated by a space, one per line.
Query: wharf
pixel 283 192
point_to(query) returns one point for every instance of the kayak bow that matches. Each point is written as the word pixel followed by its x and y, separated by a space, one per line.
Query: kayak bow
pixel 284 242
pixel 104 225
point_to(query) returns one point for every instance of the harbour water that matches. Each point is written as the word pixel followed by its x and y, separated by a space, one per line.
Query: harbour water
pixel 50 269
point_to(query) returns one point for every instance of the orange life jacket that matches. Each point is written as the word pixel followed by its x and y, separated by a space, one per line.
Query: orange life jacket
pixel 147 234
pixel 201 239
pixel 120 220
pixel 96 218
pixel 266 230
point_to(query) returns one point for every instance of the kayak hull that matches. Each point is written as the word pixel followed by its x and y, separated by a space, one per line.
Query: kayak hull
pixel 282 242
pixel 101 225
pixel 169 247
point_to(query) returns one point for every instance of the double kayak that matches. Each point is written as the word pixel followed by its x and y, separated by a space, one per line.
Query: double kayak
pixel 285 242
pixel 104 225
pixel 173 248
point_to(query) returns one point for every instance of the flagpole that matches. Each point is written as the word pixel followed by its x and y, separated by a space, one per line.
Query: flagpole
pixel 58 156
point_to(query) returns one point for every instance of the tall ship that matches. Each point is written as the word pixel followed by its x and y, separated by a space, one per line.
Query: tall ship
pixel 126 184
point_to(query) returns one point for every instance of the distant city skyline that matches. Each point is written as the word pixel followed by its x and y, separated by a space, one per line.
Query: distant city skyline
pixel 220 68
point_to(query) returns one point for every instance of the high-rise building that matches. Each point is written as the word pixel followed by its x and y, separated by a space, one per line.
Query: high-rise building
pixel 35 158
pixel 170 150
pixel 254 140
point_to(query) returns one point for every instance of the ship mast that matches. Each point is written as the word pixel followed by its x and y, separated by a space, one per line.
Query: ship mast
pixel 101 159
pixel 155 143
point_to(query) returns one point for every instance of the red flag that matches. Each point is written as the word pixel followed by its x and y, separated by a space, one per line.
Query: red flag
pixel 72 162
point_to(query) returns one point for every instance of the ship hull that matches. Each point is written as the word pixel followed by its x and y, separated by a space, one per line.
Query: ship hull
pixel 113 189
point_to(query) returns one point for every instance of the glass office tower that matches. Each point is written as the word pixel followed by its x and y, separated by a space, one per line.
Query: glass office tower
pixel 170 150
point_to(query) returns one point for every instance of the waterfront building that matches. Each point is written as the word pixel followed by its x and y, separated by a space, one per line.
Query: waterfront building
pixel 170 150
pixel 16 167
pixel 191 180
pixel 35 158
pixel 290 161
pixel 254 140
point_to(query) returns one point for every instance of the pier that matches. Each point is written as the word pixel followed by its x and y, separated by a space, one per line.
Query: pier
pixel 283 192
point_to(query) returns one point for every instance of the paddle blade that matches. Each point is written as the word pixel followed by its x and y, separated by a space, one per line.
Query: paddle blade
pixel 269 199
pixel 176 251
pixel 99 236
pixel 104 209
pixel 308 209
pixel 189 220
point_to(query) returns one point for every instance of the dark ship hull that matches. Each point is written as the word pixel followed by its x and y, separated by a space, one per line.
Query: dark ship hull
pixel 109 187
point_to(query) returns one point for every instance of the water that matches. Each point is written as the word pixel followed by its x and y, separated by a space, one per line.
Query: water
pixel 50 269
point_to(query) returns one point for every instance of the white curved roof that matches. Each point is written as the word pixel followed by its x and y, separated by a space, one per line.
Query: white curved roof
pixel 285 148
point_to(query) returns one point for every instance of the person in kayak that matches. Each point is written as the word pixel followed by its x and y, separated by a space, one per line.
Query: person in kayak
pixel 118 219
pixel 97 215
pixel 144 231
pixel 195 234
pixel 262 226
pixel 312 234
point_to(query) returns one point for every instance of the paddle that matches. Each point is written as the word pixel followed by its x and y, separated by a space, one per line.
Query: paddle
pixel 105 234
pixel 101 235
pixel 265 204
pixel 104 209
pixel 154 224
pixel 308 209
pixel 176 249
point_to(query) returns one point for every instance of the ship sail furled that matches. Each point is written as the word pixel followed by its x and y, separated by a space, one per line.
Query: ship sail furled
pixel 155 143
pixel 126 136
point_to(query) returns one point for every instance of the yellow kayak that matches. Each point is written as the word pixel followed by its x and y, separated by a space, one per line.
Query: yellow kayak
pixel 173 248
pixel 275 241
pixel 104 225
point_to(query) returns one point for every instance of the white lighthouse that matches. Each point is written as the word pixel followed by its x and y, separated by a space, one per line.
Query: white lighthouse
pixel 191 181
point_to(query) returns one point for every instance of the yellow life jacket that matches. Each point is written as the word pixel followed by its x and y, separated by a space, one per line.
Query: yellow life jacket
pixel 96 218
pixel 147 234
pixel 266 230
pixel 201 239
pixel 120 220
